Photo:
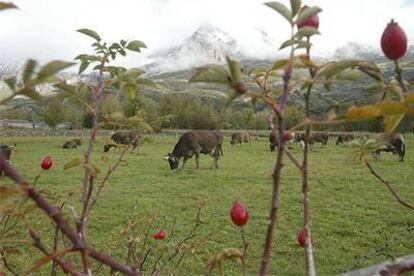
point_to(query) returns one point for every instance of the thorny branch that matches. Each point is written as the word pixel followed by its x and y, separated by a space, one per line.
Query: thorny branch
pixel 274 204
pixel 309 260
pixel 56 215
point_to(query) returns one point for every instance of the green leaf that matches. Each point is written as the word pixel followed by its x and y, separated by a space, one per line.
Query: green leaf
pixel 72 163
pixel 134 73
pixel 211 73
pixel 234 70
pixel 122 52
pixel 130 90
pixel 281 9
pixel 115 46
pixel 11 82
pixel 88 57
pixel 90 33
pixel 306 32
pixel 52 68
pixel 71 89
pixel 288 43
pixel 7 5
pixel 303 44
pixel 280 64
pixel 327 85
pixel 231 96
pixel 83 66
pixel 135 45
pixel 335 68
pixel 307 13
pixel 145 82
pixel 31 93
pixel 349 75
pixel 295 6
pixel 395 89
pixel 28 70
pixel 371 69
pixel 391 122
pixel 123 42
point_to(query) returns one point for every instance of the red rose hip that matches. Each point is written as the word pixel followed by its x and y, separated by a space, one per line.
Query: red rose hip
pixel 301 237
pixel 239 214
pixel 46 163
pixel 312 21
pixel 393 41
pixel 160 235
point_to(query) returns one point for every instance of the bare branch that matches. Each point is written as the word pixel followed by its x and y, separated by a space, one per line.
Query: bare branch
pixel 274 203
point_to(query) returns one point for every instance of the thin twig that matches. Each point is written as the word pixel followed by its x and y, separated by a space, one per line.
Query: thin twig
pixel 7 265
pixel 398 73
pixel 292 158
pixel 39 245
pixel 244 254
pixel 393 191
pixel 177 250
pixel 106 177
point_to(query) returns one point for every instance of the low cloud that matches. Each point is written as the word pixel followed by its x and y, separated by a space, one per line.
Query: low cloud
pixel 45 29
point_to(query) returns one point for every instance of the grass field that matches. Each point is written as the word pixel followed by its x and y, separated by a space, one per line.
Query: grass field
pixel 356 222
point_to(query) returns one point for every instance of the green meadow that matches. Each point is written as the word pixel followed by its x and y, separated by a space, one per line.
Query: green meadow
pixel 356 222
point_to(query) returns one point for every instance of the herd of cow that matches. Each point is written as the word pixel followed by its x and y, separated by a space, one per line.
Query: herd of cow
pixel 195 142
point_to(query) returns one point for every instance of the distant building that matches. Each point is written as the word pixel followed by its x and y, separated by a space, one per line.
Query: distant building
pixel 13 123
pixel 64 125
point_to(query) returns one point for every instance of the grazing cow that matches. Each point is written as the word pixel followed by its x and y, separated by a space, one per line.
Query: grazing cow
pixel 72 144
pixel 6 151
pixel 126 137
pixel 196 142
pixel 343 138
pixel 240 137
pixel 300 138
pixel 320 137
pixel 272 141
pixel 394 143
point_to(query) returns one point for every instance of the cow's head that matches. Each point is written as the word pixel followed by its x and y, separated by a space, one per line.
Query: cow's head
pixel 107 147
pixel 6 151
pixel 173 160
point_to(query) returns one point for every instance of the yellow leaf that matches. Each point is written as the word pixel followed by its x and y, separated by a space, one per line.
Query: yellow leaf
pixel 363 112
pixel 409 98
pixel 72 163
pixel 391 122
pixel 7 5
pixel 7 191
pixel 393 108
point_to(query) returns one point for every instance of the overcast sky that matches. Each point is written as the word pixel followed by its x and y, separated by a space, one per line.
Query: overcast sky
pixel 45 29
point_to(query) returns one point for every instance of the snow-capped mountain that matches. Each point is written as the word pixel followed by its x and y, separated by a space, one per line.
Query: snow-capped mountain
pixel 208 44
pixel 355 50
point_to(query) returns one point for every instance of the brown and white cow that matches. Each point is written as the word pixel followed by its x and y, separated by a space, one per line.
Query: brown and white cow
pixel 195 142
